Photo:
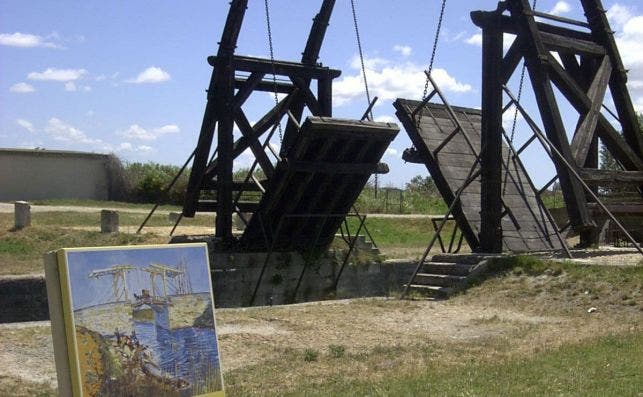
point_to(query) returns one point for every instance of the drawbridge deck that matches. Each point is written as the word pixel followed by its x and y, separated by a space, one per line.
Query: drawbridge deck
pixel 444 149
pixel 315 185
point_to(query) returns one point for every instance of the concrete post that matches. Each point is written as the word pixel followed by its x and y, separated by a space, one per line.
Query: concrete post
pixel 22 214
pixel 108 221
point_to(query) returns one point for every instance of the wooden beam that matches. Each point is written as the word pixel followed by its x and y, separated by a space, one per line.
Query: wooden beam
pixel 608 134
pixel 307 95
pixel 309 57
pixel 508 25
pixel 491 141
pixel 584 135
pixel 245 88
pixel 559 42
pixel 536 56
pixel 610 177
pixel 253 141
pixel 220 99
pixel 214 206
pixel 260 127
pixel 511 60
pixel 266 86
pixel 603 35
pixel 236 186
pixel 282 68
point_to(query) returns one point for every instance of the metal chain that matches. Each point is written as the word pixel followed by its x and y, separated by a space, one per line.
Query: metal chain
pixel 361 57
pixel 435 47
pixel 272 63
pixel 520 88
pixel 515 119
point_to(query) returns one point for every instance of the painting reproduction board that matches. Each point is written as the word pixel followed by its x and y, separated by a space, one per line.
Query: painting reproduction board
pixel 135 321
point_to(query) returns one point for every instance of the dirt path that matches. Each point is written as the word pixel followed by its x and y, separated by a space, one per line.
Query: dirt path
pixel 8 208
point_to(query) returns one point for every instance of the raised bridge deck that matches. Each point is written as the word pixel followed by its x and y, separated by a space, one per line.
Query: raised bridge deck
pixel 526 227
pixel 317 183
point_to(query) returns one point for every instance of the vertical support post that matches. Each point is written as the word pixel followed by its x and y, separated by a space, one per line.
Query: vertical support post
pixel 536 59
pixel 224 101
pixel 325 96
pixel 491 140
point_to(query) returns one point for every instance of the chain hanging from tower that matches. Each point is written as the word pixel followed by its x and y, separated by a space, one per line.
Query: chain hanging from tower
pixel 272 64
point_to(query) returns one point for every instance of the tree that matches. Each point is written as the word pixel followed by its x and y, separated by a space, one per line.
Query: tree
pixel 422 184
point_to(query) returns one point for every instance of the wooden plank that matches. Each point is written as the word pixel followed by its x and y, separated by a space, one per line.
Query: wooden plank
pixel 536 232
pixel 603 35
pixel 610 137
pixel 535 54
pixel 584 135
pixel 332 168
pixel 557 42
pixel 253 141
pixel 611 178
pixel 282 68
pixel 320 177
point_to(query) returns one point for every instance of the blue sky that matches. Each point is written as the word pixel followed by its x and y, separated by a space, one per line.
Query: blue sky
pixel 89 292
pixel 128 77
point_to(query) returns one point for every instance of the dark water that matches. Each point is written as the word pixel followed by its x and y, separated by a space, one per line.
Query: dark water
pixel 186 353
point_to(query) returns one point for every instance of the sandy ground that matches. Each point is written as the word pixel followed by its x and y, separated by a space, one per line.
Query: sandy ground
pixel 249 336
pixel 252 336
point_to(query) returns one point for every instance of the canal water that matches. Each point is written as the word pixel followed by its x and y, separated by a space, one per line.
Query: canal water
pixel 189 353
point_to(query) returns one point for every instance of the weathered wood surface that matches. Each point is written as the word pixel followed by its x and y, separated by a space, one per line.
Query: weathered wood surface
pixel 304 204
pixel 450 167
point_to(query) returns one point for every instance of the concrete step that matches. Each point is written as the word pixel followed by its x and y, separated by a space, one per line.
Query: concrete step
pixel 453 269
pixel 432 290
pixel 467 259
pixel 440 280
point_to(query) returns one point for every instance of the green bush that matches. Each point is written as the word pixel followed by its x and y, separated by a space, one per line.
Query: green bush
pixel 147 183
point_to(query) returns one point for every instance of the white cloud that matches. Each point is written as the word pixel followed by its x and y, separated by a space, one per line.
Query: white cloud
pixel 385 119
pixel 618 15
pixel 22 88
pixel 388 81
pixel 137 132
pixel 128 147
pixel 53 74
pixel 151 75
pixel 61 131
pixel 391 152
pixel 70 86
pixel 26 124
pixel 405 50
pixel 629 38
pixel 25 40
pixel 561 7
pixel 508 118
pixel 476 40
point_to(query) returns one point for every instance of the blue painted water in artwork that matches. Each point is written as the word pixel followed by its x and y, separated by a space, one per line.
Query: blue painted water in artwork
pixel 189 354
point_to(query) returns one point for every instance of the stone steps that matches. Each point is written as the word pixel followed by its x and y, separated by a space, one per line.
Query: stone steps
pixel 445 275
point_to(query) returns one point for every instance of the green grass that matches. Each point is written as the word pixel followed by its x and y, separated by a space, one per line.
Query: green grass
pixel 411 202
pixel 608 366
pixel 401 232
pixel 92 219
pixel 103 204
pixel 21 251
